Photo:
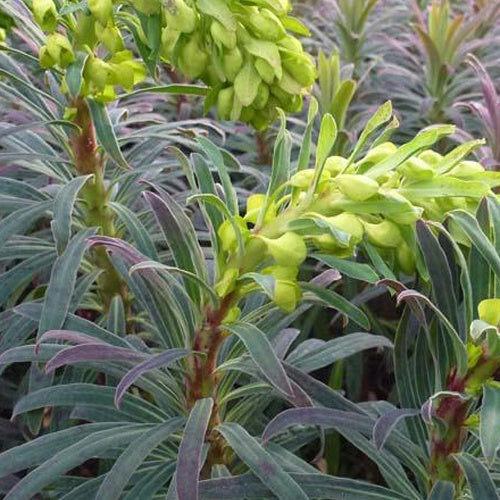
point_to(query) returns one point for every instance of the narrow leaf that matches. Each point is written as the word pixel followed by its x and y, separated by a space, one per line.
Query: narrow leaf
pixel 190 450
pixel 160 360
pixel 105 133
pixel 261 351
pixel 261 462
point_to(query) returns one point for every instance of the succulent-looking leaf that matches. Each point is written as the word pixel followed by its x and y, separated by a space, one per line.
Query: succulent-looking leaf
pixel 85 353
pixel 62 282
pixel 63 210
pixel 442 490
pixel 261 462
pixel 105 133
pixel 314 485
pixel 260 350
pixel 480 482
pixel 190 450
pixel 388 421
pixel 489 426
pixel 324 417
pixel 132 457
pixel 160 360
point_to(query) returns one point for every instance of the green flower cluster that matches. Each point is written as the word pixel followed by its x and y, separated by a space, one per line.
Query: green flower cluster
pixel 342 205
pixel 243 51
pixel 92 31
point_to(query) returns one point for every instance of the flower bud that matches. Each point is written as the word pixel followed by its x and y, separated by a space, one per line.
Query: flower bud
pixel 225 100
pixel 286 295
pixel 385 234
pixel 111 37
pixel 466 169
pixel 193 60
pixel 232 61
pixel 102 10
pixel 45 14
pixel 181 17
pixel 265 70
pixel 287 250
pixel 266 25
pixel 126 71
pixel 304 178
pixel 147 7
pixel 56 51
pixel 408 213
pixel 489 311
pixel 227 283
pixel 222 35
pixel 379 153
pixel 231 316
pixel 416 169
pixel 281 272
pixel 335 164
pixel 349 224
pixel 357 187
pixel 85 31
pixel 291 43
pixel 406 259
pixel 430 157
pixel 262 97
pixel 98 73
pixel 169 39
pixel 254 205
pixel 301 68
pixel 228 236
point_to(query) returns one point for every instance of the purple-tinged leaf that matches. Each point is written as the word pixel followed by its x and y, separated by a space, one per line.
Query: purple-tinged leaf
pixel 62 282
pixel 123 249
pixel 158 361
pixel 261 351
pixel 338 348
pixel 190 450
pixel 324 417
pixel 300 399
pixel 321 393
pixel 440 274
pixel 133 456
pixel 261 462
pixel 85 353
pixel 282 342
pixel 356 270
pixel 326 278
pixel 179 234
pixel 415 300
pixel 386 423
pixel 76 337
pixel 428 409
pixel 315 485
pixel 395 285
pixel 158 266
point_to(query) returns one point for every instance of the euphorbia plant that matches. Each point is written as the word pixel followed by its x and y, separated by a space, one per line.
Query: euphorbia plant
pixel 225 308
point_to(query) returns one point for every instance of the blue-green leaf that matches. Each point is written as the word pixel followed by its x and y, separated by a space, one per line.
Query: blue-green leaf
pixel 63 210
pixel 261 462
pixel 261 351
pixel 190 450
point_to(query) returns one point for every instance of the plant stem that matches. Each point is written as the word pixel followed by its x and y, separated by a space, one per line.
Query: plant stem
pixel 96 195
pixel 203 382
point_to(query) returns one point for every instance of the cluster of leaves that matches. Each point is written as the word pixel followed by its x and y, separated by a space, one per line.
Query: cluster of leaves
pixel 154 288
